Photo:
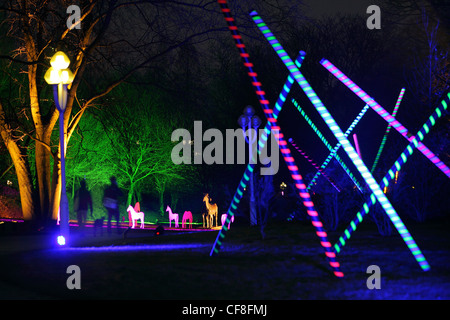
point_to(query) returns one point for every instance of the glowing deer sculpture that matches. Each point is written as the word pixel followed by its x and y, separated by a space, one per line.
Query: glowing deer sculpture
pixel 212 211
pixel 135 216
pixel 172 216
pixel 187 215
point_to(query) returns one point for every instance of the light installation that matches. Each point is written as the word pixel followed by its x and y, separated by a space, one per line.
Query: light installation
pixel 272 124
pixel 393 171
pixel 329 147
pixel 338 145
pixel 355 140
pixel 348 148
pixel 383 141
pixel 261 143
pixel 384 114
pixel 314 164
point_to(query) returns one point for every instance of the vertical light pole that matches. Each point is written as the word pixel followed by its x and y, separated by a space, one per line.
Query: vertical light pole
pixel 59 76
pixel 249 121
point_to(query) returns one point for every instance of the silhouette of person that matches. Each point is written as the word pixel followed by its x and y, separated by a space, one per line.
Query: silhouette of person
pixel 82 202
pixel 111 198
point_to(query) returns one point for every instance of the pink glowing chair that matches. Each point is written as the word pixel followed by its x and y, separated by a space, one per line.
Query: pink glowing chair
pixel 223 218
pixel 172 216
pixel 135 216
pixel 187 215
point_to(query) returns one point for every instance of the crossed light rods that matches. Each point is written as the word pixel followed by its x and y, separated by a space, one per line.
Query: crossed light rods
pixel 377 194
pixel 348 148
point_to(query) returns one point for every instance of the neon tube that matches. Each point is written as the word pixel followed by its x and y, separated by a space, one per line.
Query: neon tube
pixel 329 147
pixel 287 87
pixel 401 160
pixel 355 139
pixel 300 186
pixel 384 114
pixel 320 107
pixel 336 148
pixel 246 176
pixel 383 141
pixel 315 165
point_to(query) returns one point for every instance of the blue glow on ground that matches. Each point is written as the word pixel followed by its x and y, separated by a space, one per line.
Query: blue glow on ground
pixel 153 247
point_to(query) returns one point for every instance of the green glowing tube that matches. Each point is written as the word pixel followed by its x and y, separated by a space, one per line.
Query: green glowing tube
pixel 383 141
pixel 329 147
pixel 336 148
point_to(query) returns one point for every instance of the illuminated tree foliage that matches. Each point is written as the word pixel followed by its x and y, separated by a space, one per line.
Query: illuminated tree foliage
pixel 128 136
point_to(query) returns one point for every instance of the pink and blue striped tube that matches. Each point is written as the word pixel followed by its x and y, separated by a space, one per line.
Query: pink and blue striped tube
pixel 383 141
pixel 348 148
pixel 384 114
pixel 286 153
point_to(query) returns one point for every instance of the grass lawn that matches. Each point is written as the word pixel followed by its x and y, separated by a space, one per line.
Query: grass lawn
pixel 288 264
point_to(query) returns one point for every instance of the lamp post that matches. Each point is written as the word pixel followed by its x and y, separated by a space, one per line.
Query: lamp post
pixel 249 121
pixel 59 76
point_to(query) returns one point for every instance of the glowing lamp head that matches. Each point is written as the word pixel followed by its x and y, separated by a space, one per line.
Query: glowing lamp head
pixel 56 76
pixel 61 240
pixel 243 121
pixel 256 121
pixel 249 111
pixel 60 60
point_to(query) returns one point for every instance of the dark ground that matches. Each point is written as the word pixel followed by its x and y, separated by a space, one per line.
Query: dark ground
pixel 288 264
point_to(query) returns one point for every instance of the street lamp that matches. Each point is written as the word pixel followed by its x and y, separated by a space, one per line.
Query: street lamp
pixel 59 76
pixel 250 121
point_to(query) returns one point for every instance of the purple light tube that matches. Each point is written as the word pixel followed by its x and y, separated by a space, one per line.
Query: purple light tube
pixel 384 114
pixel 348 148
pixel 355 139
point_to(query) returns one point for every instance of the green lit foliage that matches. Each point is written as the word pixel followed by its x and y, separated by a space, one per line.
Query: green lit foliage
pixel 128 136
